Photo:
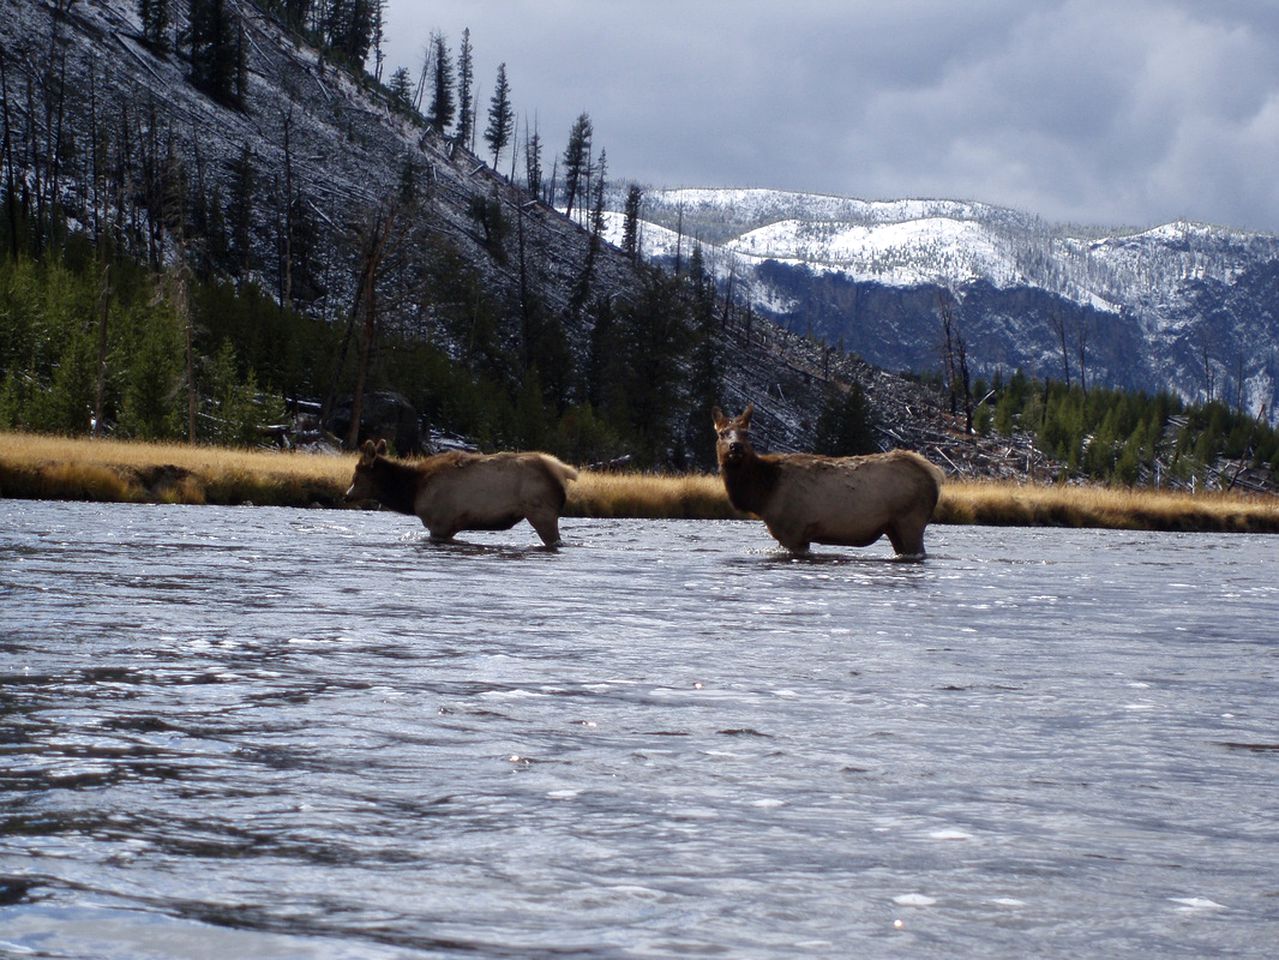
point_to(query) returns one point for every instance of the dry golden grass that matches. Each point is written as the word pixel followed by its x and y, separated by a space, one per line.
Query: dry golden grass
pixel 78 468
pixel 1012 504
pixel 66 468
pixel 694 496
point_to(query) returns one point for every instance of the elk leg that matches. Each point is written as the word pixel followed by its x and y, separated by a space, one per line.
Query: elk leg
pixel 907 540
pixel 547 527
pixel 789 538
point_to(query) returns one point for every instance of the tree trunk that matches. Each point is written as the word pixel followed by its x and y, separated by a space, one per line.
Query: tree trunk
pixel 104 306
pixel 374 252
pixel 11 197
pixel 182 304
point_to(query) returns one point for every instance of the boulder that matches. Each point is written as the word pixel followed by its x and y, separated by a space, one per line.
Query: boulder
pixel 383 415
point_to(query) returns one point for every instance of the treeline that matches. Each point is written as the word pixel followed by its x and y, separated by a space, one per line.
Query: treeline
pixel 90 345
pixel 149 291
pixel 1129 438
pixel 444 96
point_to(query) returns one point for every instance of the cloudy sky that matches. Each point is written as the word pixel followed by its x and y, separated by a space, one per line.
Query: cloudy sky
pixel 1130 113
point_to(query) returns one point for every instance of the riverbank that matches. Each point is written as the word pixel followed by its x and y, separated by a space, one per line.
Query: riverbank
pixel 64 468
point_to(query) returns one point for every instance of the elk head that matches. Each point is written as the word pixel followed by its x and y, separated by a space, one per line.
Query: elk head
pixel 734 435
pixel 362 486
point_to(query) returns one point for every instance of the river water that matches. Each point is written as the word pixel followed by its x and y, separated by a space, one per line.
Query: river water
pixel 256 732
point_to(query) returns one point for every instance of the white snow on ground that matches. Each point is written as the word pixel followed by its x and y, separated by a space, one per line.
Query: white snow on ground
pixel 907 253
pixel 909 242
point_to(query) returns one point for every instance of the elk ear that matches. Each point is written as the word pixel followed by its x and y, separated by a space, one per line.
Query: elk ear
pixel 718 416
pixel 745 418
pixel 381 448
pixel 367 452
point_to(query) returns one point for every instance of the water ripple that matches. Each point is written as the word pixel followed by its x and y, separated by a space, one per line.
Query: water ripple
pixel 281 733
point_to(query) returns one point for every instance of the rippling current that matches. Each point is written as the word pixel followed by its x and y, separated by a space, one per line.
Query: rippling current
pixel 255 732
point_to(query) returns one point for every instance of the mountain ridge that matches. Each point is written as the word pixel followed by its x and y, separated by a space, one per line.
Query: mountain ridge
pixel 1155 282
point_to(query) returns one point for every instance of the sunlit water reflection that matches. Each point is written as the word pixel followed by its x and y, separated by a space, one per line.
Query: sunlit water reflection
pixel 281 733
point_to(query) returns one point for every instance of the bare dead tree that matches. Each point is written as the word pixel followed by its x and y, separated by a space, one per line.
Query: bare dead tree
pixel 104 307
pixel 948 350
pixel 956 361
pixel 679 237
pixel 1058 321
pixel 1206 360
pixel 286 241
pixel 727 316
pixel 11 197
pixel 1083 349
pixel 375 247
pixel 428 69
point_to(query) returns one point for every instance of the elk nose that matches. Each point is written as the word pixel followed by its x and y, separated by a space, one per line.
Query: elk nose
pixel 735 447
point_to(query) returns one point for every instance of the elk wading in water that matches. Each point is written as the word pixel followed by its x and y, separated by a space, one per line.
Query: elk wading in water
pixel 456 491
pixel 805 498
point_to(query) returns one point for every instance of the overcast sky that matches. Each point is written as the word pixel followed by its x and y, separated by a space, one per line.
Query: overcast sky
pixel 1114 112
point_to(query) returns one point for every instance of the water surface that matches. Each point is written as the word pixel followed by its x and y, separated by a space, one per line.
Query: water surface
pixel 285 733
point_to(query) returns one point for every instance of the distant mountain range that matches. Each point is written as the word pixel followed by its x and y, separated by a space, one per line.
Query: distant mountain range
pixel 1184 307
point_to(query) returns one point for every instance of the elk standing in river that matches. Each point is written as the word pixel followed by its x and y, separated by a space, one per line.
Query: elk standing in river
pixel 804 498
pixel 456 491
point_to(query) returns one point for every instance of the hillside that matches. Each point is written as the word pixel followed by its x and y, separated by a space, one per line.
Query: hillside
pixel 311 243
pixel 476 267
pixel 1183 307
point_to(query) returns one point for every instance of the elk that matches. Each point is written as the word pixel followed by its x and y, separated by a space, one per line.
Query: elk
pixel 805 498
pixel 456 491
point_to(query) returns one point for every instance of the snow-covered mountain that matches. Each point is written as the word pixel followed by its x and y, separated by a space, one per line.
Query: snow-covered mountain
pixel 1183 306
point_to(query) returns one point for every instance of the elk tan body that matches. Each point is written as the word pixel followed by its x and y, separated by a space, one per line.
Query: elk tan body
pixel 456 491
pixel 845 501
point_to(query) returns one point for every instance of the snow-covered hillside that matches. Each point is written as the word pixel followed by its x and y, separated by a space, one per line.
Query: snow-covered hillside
pixel 1182 306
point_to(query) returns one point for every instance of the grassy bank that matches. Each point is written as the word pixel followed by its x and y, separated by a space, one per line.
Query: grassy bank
pixel 59 468
pixel 1122 508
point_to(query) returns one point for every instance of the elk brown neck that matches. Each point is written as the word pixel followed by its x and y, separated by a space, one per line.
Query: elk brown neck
pixel 396 483
pixel 749 480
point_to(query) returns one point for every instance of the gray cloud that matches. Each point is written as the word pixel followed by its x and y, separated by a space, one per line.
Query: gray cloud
pixel 1080 110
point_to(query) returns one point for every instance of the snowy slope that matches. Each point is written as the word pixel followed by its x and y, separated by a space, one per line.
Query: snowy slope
pixel 1181 306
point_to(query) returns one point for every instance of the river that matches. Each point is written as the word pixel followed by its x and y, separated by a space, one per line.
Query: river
pixel 258 732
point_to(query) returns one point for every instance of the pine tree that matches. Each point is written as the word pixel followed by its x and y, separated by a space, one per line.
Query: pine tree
pixel 581 292
pixel 657 336
pixel 501 116
pixel 241 65
pixel 216 243
pixel 156 19
pixel 706 387
pixel 576 160
pixel 442 105
pixel 597 200
pixel 533 162
pixel 605 372
pixel 378 37
pixel 240 213
pixel 406 193
pixel 846 425
pixel 215 52
pixel 401 88
pixel 348 29
pixel 152 380
pixel 297 12
pixel 465 80
pixel 630 224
